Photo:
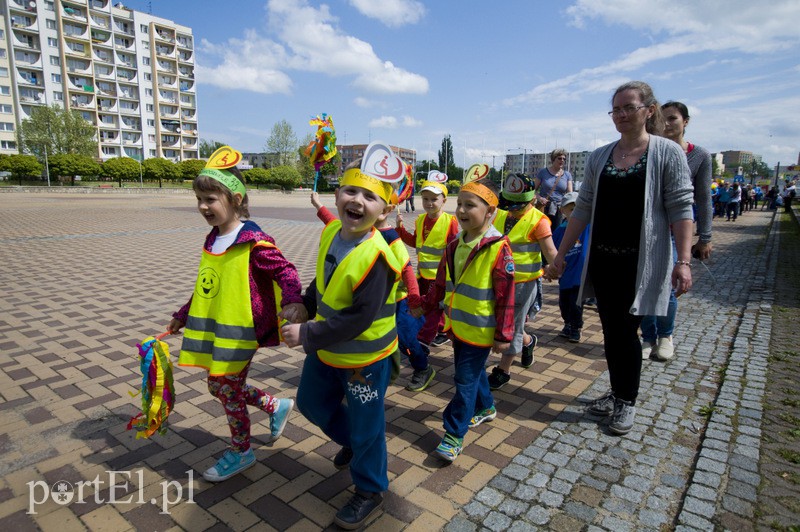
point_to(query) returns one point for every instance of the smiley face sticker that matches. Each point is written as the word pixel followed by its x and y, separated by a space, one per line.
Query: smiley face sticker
pixel 207 283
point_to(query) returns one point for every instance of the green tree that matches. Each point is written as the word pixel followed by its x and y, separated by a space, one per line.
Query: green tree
pixel 714 168
pixel 161 170
pixel 446 157
pixel 286 177
pixel 207 147
pixel 56 130
pixel 258 176
pixel 453 186
pixel 21 166
pixel 282 142
pixel 70 165
pixel 122 169
pixel 190 168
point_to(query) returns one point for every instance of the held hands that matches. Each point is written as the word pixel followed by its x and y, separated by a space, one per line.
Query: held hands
pixel 315 201
pixel 291 334
pixel 681 278
pixel 174 326
pixel 294 312
pixel 416 312
pixel 556 268
pixel 701 250
pixel 500 347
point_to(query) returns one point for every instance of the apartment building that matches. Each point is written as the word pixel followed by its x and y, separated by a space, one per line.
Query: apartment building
pixel 130 74
pixel 8 120
pixel 531 163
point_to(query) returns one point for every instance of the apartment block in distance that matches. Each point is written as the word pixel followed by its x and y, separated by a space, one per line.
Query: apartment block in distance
pixel 128 73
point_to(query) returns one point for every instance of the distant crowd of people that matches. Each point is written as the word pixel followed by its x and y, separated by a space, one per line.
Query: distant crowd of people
pixel 730 200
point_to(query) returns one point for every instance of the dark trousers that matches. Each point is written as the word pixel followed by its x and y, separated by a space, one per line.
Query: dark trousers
pixel 614 280
pixel 571 312
pixel 472 388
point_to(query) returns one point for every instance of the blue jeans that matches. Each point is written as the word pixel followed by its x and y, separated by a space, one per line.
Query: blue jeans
pixel 358 423
pixel 407 330
pixel 654 327
pixel 472 388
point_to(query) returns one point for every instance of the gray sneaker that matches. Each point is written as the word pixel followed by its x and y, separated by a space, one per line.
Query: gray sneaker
pixel 602 406
pixel 622 418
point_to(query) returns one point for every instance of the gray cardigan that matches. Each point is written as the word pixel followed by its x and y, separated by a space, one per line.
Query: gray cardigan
pixel 699 161
pixel 668 198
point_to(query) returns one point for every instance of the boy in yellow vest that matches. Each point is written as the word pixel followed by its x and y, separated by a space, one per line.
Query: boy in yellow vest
pixel 475 280
pixel 432 232
pixel 528 231
pixel 349 344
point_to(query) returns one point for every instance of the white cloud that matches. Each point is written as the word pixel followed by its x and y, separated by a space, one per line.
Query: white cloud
pixel 305 38
pixel 392 122
pixel 364 102
pixel 393 13
pixel 685 28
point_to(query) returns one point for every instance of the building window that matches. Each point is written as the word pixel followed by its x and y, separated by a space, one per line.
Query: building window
pixel 8 145
pixel 58 96
pixel 146 61
pixel 3 72
pixel 148 76
pixel 152 153
pixel 5 109
pixel 52 42
pixel 151 123
pixel 51 24
pixel 151 138
pixel 5 90
pixel 109 150
pixel 49 6
pixel 145 45
pixel 6 126
pixel 56 77
pixel 2 53
pixel 143 28
pixel 147 92
pixel 55 60
pixel 148 107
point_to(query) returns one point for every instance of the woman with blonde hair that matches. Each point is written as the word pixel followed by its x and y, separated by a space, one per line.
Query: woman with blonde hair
pixel 552 183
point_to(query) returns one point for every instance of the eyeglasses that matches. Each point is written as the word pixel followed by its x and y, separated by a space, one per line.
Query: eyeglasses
pixel 625 111
pixel 562 158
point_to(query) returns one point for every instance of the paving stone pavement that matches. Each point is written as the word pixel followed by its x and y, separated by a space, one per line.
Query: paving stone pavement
pixel 86 276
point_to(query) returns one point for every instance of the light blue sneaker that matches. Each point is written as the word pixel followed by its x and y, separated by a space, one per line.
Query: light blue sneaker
pixel 450 447
pixel 486 414
pixel 279 417
pixel 231 463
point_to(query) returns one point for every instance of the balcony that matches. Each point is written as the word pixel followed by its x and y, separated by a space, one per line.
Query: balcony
pixel 164 35
pixel 125 59
pixel 185 56
pixel 190 143
pixel 28 59
pixel 78 66
pixel 128 108
pixel 133 153
pixel 126 76
pixel 187 86
pixel 101 37
pixel 128 93
pixel 131 140
pixel 166 66
pixel 23 22
pixel 100 21
pixel 74 13
pixel 105 88
pixel 167 82
pixel 23 39
pixel 123 44
pixel 104 71
pixel 82 101
pixel 76 49
pixel 184 42
pixel 30 79
pixel 98 4
pixel 131 123
pixel 121 26
pixel 107 104
pixel 76 31
pixel 102 55
pixel 108 137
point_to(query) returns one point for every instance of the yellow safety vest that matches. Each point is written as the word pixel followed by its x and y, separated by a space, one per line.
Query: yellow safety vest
pixel 469 311
pixel 398 248
pixel 379 340
pixel 220 334
pixel 431 250
pixel 527 254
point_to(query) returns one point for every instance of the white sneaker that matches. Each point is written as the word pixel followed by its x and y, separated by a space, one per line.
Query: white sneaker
pixel 648 348
pixel 665 348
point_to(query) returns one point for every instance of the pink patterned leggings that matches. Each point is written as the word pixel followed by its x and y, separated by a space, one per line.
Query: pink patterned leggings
pixel 235 394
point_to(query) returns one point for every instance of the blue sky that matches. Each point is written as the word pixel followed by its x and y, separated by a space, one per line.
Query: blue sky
pixel 497 76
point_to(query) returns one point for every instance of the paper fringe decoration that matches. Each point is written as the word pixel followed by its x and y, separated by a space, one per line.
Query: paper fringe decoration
pixel 323 148
pixel 406 185
pixel 158 390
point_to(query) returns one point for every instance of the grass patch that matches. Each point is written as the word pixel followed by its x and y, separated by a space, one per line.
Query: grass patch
pixel 790 455
pixel 794 433
pixel 791 402
pixel 788 418
pixel 706 411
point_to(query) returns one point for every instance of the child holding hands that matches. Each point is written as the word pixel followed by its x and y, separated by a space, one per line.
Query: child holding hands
pixel 475 279
pixel 234 308
pixel 349 343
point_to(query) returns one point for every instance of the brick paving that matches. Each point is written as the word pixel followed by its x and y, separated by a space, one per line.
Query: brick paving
pixel 86 276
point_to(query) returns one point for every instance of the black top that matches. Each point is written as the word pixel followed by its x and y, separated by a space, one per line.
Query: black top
pixel 617 224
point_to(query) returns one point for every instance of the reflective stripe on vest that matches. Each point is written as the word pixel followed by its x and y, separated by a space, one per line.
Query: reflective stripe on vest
pixel 470 301
pixel 401 255
pixel 527 254
pixel 220 334
pixel 431 250
pixel 379 340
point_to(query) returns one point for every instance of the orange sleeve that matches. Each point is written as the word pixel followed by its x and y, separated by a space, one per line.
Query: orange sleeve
pixel 541 230
pixel 325 215
pixel 410 280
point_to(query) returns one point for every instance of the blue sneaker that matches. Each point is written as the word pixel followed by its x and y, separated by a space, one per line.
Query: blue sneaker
pixel 450 447
pixel 279 417
pixel 231 463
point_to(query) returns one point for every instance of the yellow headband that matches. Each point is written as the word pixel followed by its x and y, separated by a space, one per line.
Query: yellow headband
pixel 482 191
pixel 356 178
pixel 438 186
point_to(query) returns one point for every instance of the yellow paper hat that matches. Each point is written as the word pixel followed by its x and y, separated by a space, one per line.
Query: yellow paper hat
pixel 225 157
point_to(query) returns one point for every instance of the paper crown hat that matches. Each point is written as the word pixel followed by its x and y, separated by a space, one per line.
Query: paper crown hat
pixel 518 190
pixel 380 169
pixel 217 165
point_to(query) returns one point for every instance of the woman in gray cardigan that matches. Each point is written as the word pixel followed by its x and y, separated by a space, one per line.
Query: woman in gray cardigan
pixel 634 189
